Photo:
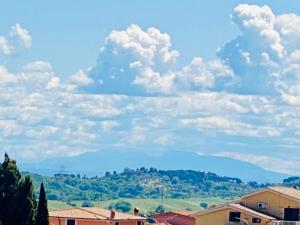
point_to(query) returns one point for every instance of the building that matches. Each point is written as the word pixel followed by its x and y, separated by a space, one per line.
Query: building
pixel 93 216
pixel 270 206
pixel 175 218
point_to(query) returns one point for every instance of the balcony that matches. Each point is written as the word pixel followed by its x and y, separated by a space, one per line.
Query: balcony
pixel 281 222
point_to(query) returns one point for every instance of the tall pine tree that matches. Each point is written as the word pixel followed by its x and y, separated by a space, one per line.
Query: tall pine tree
pixel 42 211
pixel 17 200
pixel 9 189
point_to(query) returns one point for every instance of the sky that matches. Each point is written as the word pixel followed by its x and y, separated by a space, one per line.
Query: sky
pixel 214 77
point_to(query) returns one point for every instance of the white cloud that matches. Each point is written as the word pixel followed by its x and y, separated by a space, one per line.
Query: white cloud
pixel 5 48
pixel 6 77
pixel 81 78
pixel 22 35
pixel 18 39
pixel 230 127
pixel 135 61
pixel 265 161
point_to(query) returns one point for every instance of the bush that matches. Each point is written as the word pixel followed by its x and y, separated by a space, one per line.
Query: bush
pixel 87 204
pixel 122 206
pixel 203 205
pixel 160 209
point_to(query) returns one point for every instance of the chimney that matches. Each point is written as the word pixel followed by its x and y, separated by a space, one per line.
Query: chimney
pixel 136 211
pixel 112 213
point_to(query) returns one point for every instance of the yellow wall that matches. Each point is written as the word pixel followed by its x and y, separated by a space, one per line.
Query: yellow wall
pixel 275 203
pixel 221 217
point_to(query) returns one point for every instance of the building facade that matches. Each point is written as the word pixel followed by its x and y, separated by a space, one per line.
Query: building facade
pixel 270 206
pixel 93 216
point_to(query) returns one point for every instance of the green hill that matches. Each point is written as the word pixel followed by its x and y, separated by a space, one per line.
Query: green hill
pixel 142 183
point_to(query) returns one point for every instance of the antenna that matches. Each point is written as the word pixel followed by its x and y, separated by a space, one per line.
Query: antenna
pixel 62 169
pixel 162 196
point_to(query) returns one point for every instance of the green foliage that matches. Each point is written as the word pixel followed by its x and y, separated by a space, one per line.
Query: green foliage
pixel 160 209
pixel 122 206
pixel 17 200
pixel 203 205
pixel 87 204
pixel 142 183
pixel 42 210
pixel 25 212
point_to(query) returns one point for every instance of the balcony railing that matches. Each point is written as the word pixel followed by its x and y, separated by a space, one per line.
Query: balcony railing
pixel 285 222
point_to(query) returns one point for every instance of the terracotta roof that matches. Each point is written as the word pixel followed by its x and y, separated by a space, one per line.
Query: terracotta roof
pixel 92 213
pixel 291 192
pixel 184 212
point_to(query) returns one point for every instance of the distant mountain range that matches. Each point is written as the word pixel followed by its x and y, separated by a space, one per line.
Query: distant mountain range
pixel 97 163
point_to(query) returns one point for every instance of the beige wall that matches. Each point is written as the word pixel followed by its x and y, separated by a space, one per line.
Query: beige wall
pixel 221 217
pixel 213 218
pixel 275 203
pixel 56 221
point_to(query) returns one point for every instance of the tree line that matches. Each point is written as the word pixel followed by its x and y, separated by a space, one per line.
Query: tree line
pixel 18 203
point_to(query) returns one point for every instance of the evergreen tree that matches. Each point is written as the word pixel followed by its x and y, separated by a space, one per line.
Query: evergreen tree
pixel 17 199
pixel 9 189
pixel 26 202
pixel 42 211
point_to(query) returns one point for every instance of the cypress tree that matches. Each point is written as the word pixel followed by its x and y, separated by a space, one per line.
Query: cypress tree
pixel 42 210
pixel 26 202
pixel 17 199
pixel 9 189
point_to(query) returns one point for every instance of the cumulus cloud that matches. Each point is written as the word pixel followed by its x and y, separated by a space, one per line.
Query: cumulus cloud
pixel 18 39
pixel 81 78
pixel 22 35
pixel 264 56
pixel 137 61
pixel 136 96
pixel 5 47
pixel 200 74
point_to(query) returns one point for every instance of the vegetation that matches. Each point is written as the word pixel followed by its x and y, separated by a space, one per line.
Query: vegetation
pixel 142 183
pixel 17 199
pixel 292 182
pixel 42 209
pixel 146 206
pixel 121 206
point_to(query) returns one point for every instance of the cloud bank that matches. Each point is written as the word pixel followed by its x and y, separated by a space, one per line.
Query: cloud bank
pixel 243 103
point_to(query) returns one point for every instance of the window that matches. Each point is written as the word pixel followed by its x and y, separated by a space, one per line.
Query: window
pixel 70 222
pixel 234 216
pixel 291 214
pixel 262 205
pixel 139 223
pixel 256 220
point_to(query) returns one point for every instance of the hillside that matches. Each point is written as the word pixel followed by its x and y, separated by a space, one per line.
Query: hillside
pixel 142 183
pixel 97 163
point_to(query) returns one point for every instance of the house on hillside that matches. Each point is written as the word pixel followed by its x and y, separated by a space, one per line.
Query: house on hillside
pixel 270 206
pixel 175 218
pixel 93 216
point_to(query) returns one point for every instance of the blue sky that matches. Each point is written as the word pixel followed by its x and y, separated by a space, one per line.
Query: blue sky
pixel 214 77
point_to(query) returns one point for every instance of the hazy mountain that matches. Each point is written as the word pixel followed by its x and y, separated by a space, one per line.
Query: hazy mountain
pixel 97 163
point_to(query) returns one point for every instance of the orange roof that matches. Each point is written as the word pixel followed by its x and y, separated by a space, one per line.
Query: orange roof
pixel 184 212
pixel 92 213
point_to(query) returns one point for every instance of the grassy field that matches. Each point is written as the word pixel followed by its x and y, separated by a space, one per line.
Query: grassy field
pixel 147 205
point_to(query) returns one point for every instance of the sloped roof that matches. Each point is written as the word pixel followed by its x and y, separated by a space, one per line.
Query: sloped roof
pixel 184 212
pixel 91 213
pixel 291 192
pixel 251 211
pixel 238 207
